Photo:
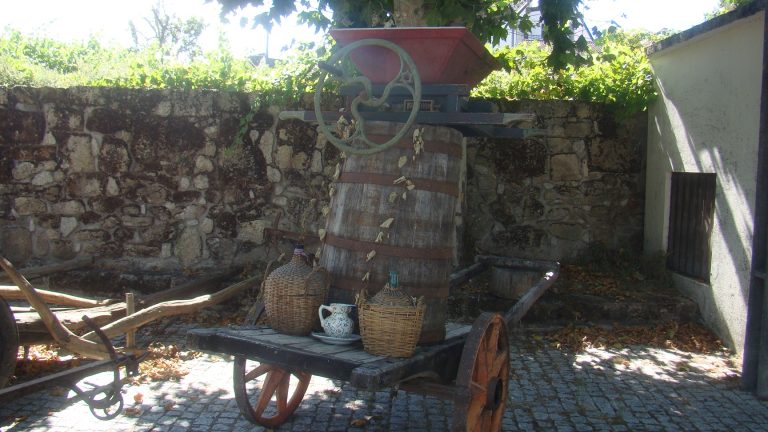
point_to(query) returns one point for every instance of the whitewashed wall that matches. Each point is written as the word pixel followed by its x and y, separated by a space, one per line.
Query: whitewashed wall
pixel 707 120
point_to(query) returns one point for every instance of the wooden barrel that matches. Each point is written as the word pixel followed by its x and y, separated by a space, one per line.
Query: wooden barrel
pixel 420 241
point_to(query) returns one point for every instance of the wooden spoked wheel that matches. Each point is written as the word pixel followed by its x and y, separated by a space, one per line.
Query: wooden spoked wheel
pixel 275 393
pixel 9 343
pixel 484 376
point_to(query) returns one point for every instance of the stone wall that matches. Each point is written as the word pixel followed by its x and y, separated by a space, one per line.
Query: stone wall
pixel 152 179
pixel 550 197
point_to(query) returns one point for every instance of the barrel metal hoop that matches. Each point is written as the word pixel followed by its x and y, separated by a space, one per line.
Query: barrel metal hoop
pixel 430 146
pixel 429 291
pixel 436 254
pixel 437 186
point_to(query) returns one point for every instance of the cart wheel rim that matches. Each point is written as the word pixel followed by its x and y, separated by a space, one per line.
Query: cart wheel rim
pixel 483 376
pixel 264 392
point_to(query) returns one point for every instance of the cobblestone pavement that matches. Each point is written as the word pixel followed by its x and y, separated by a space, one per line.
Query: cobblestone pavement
pixel 632 389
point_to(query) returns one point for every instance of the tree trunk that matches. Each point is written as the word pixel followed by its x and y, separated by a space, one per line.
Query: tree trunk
pixel 410 13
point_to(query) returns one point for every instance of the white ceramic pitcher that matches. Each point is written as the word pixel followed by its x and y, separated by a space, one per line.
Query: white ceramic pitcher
pixel 338 324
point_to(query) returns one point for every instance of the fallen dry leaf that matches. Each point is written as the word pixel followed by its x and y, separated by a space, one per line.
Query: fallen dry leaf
pixel 132 411
pixel 688 337
pixel 138 398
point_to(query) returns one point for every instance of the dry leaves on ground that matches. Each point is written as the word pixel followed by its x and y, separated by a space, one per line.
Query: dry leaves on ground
pixel 688 337
pixel 42 360
pixel 164 362
pixel 580 280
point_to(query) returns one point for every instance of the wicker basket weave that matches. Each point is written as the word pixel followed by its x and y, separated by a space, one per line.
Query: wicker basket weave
pixel 292 294
pixel 389 326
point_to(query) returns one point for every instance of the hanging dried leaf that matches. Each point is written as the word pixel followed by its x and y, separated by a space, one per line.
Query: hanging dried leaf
pixel 392 197
pixel 321 234
pixel 370 255
pixel 399 180
pixel 411 187
pixel 326 211
pixel 387 223
pixel 405 194
pixel 402 161
pixel 379 237
pixel 337 173
pixel 318 252
pixel 367 277
pixel 331 191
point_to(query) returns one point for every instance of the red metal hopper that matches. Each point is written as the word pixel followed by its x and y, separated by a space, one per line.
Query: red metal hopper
pixel 443 55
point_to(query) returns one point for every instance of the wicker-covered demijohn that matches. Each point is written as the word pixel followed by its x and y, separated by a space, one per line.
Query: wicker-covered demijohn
pixel 292 294
pixel 390 322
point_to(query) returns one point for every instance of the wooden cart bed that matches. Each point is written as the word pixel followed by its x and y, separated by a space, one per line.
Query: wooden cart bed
pixel 343 362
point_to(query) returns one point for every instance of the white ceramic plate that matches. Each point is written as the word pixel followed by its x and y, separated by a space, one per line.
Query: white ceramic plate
pixel 321 336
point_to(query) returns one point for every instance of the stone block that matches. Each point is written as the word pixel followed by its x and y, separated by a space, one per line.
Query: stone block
pixel 84 186
pixel 24 171
pixel 43 178
pixel 63 118
pixel 620 156
pixel 107 121
pixel 565 167
pixel 203 164
pixel 579 129
pixel 29 206
pixel 189 246
pixel 201 182
pixel 112 189
pixel 67 225
pixel 153 194
pixel 107 204
pixel 16 244
pixel 141 251
pixel 113 156
pixel 62 249
pixel 79 154
pixel 91 236
pixel 252 231
pixel 21 127
pixel 284 157
pixel 206 226
pixel 185 197
pixel 136 221
pixel 68 208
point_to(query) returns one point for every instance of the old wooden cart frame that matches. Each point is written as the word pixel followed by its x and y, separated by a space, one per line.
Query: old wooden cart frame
pixel 104 401
pixel 470 367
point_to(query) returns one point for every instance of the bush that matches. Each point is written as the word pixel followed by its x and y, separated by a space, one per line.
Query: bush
pixel 619 76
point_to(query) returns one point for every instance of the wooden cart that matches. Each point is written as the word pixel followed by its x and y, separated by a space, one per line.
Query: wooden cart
pixel 470 367
pixel 100 320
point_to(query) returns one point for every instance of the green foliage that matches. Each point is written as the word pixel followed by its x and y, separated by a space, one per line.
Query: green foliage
pixel 489 20
pixel 726 6
pixel 36 61
pixel 619 76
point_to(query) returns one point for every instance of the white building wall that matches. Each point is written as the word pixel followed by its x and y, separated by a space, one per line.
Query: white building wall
pixel 707 120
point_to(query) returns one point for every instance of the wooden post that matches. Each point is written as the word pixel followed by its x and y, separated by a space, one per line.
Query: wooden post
pixel 130 308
